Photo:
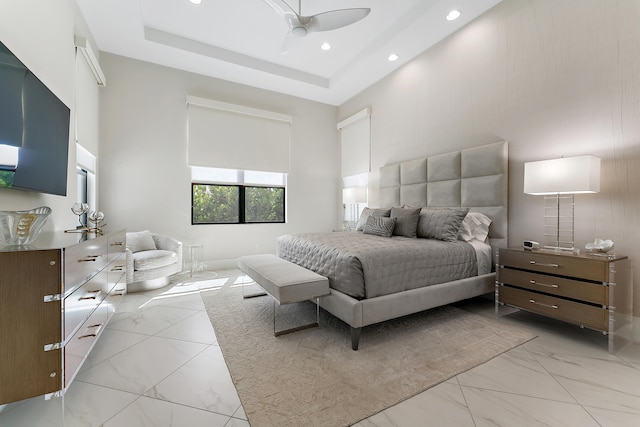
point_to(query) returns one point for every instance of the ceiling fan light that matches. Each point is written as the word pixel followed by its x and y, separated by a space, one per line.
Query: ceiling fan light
pixel 453 15
pixel 393 57
pixel 299 31
pixel 325 46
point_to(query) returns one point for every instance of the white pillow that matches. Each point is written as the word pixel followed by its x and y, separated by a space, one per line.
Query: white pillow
pixel 140 241
pixel 475 226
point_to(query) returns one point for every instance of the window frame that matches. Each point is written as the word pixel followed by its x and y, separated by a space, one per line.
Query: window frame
pixel 241 203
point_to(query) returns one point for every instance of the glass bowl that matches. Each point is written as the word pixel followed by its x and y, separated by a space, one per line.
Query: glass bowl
pixel 22 227
pixel 599 245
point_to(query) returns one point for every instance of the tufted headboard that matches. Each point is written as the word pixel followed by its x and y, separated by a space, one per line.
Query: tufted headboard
pixel 475 178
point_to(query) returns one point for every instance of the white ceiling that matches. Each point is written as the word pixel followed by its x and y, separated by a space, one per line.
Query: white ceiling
pixel 242 40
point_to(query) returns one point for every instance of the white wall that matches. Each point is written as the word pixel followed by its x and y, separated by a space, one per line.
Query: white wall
pixel 554 78
pixel 145 180
pixel 40 33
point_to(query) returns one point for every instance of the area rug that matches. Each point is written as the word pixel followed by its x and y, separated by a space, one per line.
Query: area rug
pixel 313 378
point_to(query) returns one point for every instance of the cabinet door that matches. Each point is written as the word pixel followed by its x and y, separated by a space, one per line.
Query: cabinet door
pixel 28 324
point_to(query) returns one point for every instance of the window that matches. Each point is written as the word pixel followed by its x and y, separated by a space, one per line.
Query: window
pixel 352 211
pixel 227 196
pixel 83 190
pixel 86 178
pixel 263 204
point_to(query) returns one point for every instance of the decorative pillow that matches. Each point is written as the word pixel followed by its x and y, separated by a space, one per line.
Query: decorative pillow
pixel 406 221
pixel 379 226
pixel 367 212
pixel 475 226
pixel 140 241
pixel 442 224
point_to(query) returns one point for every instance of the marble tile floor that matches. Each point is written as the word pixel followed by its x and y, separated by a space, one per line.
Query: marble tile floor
pixel 158 364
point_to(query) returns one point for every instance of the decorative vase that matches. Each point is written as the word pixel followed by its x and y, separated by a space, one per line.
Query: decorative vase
pixel 22 227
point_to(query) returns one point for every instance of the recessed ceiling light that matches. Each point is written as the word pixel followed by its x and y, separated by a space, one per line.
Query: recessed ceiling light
pixel 393 57
pixel 453 15
pixel 196 1
pixel 325 46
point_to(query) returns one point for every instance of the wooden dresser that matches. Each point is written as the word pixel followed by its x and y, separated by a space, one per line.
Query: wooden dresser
pixel 587 290
pixel 56 296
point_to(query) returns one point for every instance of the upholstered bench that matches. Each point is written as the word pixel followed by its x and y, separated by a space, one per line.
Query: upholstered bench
pixel 285 282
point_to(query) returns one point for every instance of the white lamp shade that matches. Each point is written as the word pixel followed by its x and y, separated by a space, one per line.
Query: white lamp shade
pixel 354 195
pixel 570 175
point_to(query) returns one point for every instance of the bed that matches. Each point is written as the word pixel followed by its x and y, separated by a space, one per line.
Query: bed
pixel 374 278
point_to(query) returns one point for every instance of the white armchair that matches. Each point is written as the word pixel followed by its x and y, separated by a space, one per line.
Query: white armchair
pixel 151 259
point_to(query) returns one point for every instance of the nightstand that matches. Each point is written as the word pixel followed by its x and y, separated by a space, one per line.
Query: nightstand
pixel 591 291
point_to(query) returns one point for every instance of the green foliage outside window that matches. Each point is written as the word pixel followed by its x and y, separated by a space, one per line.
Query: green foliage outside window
pixel 264 204
pixel 6 178
pixel 215 204
pixel 233 204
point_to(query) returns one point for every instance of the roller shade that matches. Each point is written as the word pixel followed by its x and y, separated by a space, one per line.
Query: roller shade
pixel 86 111
pixel 230 136
pixel 355 135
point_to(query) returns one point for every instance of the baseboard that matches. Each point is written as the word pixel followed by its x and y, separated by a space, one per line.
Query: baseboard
pixel 221 264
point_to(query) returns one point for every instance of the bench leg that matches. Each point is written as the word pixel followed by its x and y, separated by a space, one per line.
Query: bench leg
pixel 355 338
pixel 297 328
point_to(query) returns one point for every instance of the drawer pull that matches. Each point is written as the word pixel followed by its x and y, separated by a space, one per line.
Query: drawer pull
pixel 117 244
pixel 90 258
pixel 94 334
pixel 88 296
pixel 544 265
pixel 118 268
pixel 547 285
pixel 555 307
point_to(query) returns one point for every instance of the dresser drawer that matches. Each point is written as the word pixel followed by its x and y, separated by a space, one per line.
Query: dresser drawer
pixel 117 244
pixel 560 286
pixel 118 292
pixel 562 265
pixel 116 271
pixel 83 301
pixel 569 311
pixel 83 260
pixel 78 347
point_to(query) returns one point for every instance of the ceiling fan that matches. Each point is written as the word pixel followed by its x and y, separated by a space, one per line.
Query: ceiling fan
pixel 300 25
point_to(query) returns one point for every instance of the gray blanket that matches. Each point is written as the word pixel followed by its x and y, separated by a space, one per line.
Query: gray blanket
pixel 367 266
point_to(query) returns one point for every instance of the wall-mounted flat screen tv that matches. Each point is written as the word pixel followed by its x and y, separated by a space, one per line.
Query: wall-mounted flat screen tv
pixel 34 131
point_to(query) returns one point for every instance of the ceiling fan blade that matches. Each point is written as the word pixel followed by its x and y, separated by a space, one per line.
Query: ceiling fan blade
pixel 290 43
pixel 334 19
pixel 284 10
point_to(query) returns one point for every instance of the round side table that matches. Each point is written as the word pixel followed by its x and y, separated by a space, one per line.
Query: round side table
pixel 193 257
